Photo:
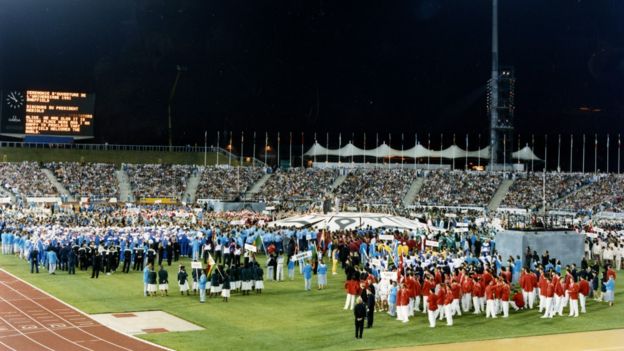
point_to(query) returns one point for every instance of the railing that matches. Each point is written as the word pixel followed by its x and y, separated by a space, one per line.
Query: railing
pixel 120 147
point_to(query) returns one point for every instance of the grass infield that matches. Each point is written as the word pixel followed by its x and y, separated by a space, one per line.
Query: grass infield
pixel 286 316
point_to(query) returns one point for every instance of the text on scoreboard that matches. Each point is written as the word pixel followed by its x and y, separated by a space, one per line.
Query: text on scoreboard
pixel 38 112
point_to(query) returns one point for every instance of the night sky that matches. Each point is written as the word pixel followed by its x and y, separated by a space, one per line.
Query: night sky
pixel 414 66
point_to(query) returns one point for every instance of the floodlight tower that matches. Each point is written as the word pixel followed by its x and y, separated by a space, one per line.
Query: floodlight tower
pixel 500 104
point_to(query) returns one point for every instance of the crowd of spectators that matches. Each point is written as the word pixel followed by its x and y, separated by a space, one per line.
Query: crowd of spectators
pixel 378 186
pixel 25 179
pixel 159 180
pixel 458 188
pixel 604 193
pixel 527 190
pixel 298 184
pixel 227 183
pixel 94 180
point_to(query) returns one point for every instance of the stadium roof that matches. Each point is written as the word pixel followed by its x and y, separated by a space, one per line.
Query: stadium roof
pixel 417 151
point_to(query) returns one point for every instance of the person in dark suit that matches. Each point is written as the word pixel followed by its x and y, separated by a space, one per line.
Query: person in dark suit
pixel 360 313
pixel 34 260
pixel 370 304
pixel 97 265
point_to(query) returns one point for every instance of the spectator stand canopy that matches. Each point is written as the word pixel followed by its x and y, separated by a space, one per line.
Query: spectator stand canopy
pixel 417 151
pixel 349 221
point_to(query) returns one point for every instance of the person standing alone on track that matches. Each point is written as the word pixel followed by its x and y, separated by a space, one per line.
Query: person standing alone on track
pixel 360 313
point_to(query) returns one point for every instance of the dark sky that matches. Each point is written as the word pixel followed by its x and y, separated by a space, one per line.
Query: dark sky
pixel 413 66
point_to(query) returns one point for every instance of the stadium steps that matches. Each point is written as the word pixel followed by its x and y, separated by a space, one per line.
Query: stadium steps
pixel 57 185
pixel 500 194
pixel 125 193
pixel 257 186
pixel 338 182
pixel 192 185
pixel 414 189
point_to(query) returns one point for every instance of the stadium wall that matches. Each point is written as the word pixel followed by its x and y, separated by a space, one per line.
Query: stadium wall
pixel 567 246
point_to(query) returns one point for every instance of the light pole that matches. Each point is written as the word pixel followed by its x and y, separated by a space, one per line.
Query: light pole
pixel 179 70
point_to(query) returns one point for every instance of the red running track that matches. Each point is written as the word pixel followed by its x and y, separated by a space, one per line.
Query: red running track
pixel 31 319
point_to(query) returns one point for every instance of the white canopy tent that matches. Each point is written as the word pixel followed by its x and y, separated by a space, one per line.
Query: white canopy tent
pixel 417 151
pixel 349 221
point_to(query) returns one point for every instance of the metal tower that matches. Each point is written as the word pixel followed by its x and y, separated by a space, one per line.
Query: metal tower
pixel 500 103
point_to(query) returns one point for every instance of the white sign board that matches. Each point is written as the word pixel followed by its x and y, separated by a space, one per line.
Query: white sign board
pixel 386 237
pixel 301 256
pixel 196 265
pixel 308 237
pixel 251 248
pixel 389 275
pixel 431 243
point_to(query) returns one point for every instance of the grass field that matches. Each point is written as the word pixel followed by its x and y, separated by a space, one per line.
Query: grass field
pixel 286 316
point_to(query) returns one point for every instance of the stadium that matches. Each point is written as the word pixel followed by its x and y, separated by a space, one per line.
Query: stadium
pixel 179 175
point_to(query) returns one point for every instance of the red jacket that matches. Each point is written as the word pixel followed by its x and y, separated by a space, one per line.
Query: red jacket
pixel 403 297
pixel 611 273
pixel 526 282
pixel 455 290
pixel 467 286
pixel 507 276
pixel 448 299
pixel 573 290
pixel 505 292
pixel 426 288
pixel 558 289
pixel 432 302
pixel 489 292
pixel 353 287
pixel 416 288
pixel 477 290
pixel 487 278
pixel 441 295
pixel 584 287
pixel 519 299
pixel 549 290
pixel 498 288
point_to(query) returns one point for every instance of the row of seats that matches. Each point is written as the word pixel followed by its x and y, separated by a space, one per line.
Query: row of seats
pixel 358 188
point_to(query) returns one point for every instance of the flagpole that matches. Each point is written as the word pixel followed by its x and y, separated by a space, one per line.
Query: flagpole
pixel 619 147
pixel 429 150
pixel 532 149
pixel 583 163
pixel 571 148
pixel 453 167
pixel 504 152
pixel 266 146
pixel 479 151
pixel 327 147
pixel 466 154
pixel 376 149
pixel 389 147
pixel 302 164
pixel 441 147
pixel 607 153
pixel 218 146
pixel 545 152
pixel 254 150
pixel 315 144
pixel 339 147
pixel 559 155
pixel 595 153
pixel 352 143
pixel 206 147
pixel 290 164
pixel 241 149
pixel 364 148
pixel 230 151
pixel 278 149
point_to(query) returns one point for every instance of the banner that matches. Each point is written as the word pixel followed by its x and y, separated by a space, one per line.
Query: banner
pixel 431 243
pixel 251 248
pixel 196 265
pixel 386 237
pixel 389 275
pixel 301 256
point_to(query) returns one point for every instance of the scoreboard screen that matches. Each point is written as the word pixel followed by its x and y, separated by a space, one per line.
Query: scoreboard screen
pixel 39 112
